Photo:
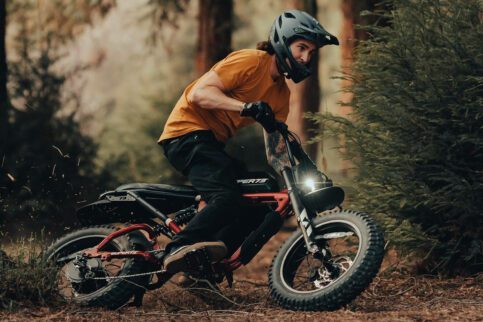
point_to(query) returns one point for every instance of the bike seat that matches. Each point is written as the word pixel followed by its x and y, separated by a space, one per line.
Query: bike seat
pixel 158 187
pixel 251 182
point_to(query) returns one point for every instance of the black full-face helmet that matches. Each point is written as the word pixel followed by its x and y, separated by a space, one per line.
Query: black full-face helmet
pixel 292 25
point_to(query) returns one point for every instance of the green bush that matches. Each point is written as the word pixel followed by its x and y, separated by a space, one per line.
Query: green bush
pixel 25 277
pixel 415 135
pixel 50 163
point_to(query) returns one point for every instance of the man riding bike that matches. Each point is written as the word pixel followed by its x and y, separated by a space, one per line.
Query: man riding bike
pixel 247 86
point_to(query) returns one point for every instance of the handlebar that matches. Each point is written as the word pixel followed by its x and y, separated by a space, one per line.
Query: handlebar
pixel 282 128
pixel 295 151
pixel 293 146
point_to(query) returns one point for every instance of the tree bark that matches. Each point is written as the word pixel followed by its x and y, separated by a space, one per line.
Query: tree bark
pixel 305 96
pixel 350 35
pixel 4 101
pixel 214 33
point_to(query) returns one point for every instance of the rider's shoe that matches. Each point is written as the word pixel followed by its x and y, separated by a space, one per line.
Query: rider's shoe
pixel 188 258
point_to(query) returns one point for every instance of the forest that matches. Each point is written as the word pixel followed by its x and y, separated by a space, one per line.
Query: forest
pixel 394 115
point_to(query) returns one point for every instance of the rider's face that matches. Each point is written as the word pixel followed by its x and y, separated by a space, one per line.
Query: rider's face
pixel 302 50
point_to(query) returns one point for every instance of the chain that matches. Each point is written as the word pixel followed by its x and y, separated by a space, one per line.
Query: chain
pixel 131 275
pixel 127 276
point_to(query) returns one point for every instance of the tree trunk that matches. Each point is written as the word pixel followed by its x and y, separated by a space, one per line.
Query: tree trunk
pixel 305 96
pixel 351 10
pixel 349 38
pixel 4 102
pixel 214 32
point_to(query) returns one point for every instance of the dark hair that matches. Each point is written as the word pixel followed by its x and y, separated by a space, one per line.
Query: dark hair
pixel 265 46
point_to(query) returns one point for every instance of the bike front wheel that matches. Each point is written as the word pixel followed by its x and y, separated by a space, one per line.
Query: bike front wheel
pixel 353 251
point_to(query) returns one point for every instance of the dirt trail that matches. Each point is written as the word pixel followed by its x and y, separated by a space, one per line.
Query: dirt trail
pixel 391 297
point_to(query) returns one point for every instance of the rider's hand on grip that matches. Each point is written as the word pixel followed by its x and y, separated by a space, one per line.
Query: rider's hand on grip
pixel 262 113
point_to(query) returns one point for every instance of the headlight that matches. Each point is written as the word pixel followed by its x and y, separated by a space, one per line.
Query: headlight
pixel 323 199
pixel 310 183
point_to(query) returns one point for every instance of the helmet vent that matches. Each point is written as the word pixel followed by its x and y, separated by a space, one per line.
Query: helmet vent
pixel 289 15
pixel 275 37
pixel 280 22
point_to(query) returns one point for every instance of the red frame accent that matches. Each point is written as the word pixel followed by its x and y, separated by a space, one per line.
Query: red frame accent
pixel 281 198
pixel 283 208
pixel 96 252
pixel 174 228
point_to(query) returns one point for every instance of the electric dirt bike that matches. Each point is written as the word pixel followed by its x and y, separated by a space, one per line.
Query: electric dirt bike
pixel 326 263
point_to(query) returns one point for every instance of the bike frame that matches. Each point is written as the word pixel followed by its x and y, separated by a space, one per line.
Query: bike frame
pixel 286 203
pixel 279 199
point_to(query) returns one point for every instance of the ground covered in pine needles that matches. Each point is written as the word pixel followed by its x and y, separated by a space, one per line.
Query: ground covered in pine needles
pixel 392 296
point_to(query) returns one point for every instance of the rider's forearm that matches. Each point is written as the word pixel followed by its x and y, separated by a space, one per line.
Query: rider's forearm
pixel 275 148
pixel 211 97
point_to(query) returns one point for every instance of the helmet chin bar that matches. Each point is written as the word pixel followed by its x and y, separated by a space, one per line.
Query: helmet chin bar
pixel 298 72
pixel 292 69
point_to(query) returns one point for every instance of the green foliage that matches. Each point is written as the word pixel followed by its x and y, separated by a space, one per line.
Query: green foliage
pixel 416 131
pixel 57 21
pixel 49 162
pixel 137 157
pixel 26 277
pixel 163 13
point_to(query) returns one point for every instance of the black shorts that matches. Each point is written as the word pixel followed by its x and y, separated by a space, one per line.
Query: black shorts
pixel 200 157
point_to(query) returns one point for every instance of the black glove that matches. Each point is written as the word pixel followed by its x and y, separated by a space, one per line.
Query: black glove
pixel 262 113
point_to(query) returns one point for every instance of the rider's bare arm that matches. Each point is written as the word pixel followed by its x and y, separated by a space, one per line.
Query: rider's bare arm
pixel 209 93
pixel 276 152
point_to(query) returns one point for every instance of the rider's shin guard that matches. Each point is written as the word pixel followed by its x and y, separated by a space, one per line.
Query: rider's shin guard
pixel 257 238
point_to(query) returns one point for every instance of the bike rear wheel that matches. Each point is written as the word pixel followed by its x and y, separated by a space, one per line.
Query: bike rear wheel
pixel 103 287
pixel 298 280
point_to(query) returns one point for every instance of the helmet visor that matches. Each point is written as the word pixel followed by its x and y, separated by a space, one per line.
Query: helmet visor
pixel 317 35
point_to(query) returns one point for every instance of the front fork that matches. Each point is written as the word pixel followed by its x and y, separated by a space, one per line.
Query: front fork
pixel 303 218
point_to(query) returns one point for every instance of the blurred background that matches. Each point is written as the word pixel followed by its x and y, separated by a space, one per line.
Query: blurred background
pixel 114 70
pixel 86 86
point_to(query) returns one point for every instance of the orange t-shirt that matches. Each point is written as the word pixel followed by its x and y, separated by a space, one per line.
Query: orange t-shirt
pixel 245 74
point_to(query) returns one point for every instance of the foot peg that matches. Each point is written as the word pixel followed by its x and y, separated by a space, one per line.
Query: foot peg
pixel 201 269
pixel 199 260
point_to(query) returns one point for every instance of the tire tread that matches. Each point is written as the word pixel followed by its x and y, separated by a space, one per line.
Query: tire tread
pixel 341 294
